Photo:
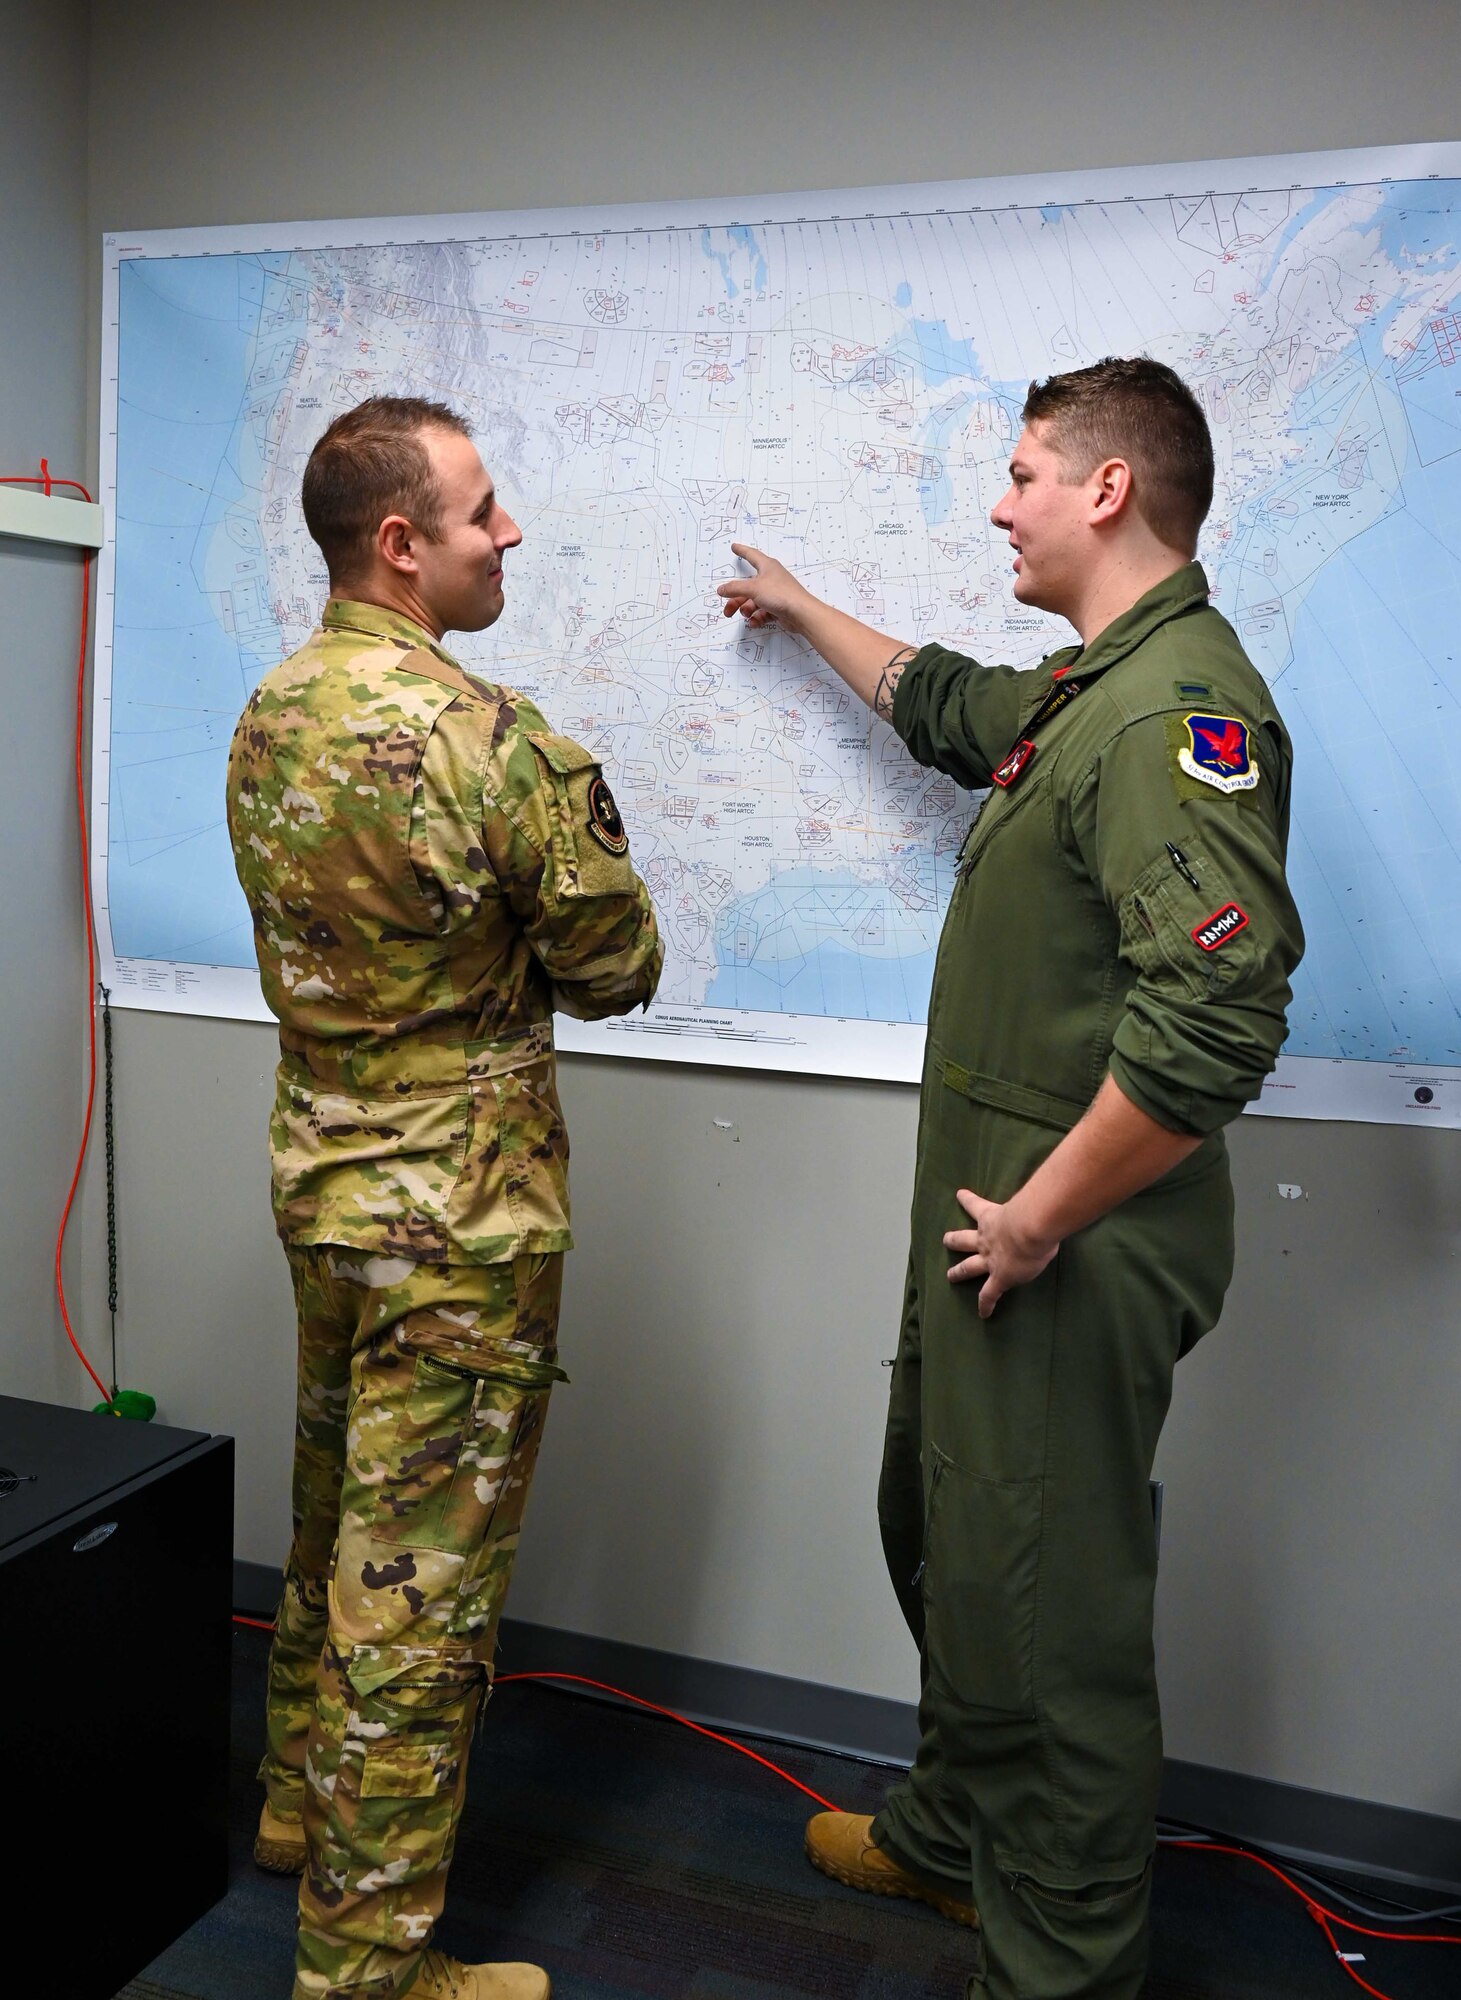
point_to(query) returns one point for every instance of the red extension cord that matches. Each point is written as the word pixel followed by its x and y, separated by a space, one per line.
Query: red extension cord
pixel 1327 1920
pixel 47 484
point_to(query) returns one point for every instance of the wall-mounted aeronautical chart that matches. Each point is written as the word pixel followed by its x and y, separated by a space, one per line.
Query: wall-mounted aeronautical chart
pixel 836 378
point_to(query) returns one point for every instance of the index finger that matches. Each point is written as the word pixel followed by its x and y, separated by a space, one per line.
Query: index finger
pixel 747 554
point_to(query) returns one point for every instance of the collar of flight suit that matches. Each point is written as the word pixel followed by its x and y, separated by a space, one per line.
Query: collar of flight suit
pixel 420 653
pixel 1184 589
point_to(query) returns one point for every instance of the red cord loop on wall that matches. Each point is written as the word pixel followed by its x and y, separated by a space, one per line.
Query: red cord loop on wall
pixel 46 483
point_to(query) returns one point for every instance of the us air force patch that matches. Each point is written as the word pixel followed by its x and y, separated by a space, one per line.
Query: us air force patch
pixel 604 822
pixel 1217 753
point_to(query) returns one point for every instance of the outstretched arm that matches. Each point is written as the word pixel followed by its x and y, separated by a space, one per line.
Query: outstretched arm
pixel 869 661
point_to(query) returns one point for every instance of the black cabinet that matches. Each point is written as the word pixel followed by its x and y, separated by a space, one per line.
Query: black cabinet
pixel 116 1543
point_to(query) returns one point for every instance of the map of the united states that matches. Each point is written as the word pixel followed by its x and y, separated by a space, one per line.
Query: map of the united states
pixel 839 381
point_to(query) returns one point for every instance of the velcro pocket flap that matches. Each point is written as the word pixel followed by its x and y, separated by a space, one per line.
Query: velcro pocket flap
pixel 561 753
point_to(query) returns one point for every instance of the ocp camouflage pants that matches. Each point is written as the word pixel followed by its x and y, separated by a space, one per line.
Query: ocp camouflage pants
pixel 422 1393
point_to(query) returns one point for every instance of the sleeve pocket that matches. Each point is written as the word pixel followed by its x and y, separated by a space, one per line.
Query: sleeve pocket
pixel 1161 917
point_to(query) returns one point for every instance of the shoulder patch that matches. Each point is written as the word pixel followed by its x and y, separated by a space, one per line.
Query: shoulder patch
pixel 1217 752
pixel 604 822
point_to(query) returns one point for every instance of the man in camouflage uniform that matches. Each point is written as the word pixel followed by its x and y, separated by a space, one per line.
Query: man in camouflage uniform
pixel 431 871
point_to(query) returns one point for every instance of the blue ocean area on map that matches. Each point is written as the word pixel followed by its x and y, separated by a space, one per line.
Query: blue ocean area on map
pixel 1418 226
pixel 1373 703
pixel 780 949
pixel 1371 695
pixel 1320 323
pixel 179 678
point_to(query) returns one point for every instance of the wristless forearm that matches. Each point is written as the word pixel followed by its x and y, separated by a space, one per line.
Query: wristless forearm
pixel 1113 1153
pixel 864 657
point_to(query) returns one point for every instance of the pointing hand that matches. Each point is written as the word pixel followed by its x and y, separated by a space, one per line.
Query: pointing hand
pixel 770 595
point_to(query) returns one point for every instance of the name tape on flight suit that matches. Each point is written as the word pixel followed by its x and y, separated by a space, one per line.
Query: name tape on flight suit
pixel 1214 931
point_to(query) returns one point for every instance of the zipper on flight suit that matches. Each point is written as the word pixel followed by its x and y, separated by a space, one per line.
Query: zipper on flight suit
pixel 938 1467
pixel 1020 755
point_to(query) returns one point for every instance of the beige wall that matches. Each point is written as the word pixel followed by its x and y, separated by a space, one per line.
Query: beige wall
pixel 43 400
pixel 709 1481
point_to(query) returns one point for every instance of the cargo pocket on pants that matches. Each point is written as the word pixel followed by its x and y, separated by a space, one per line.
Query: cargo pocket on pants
pixel 1071 1942
pixel 400 1774
pixel 460 1426
pixel 980 1574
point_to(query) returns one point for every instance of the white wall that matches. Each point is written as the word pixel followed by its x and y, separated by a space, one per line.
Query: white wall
pixel 709 1481
pixel 43 400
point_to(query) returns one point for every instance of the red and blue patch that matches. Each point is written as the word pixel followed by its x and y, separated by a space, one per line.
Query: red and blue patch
pixel 1218 752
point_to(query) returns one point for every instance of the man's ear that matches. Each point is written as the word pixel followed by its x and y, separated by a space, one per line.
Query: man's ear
pixel 393 541
pixel 1111 489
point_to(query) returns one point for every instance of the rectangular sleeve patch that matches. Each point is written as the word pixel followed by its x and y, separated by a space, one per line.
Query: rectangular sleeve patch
pixel 1214 931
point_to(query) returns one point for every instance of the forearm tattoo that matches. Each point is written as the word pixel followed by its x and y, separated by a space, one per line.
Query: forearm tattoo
pixel 888 682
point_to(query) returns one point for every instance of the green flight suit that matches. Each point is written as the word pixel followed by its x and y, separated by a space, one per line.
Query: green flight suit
pixel 1014 1502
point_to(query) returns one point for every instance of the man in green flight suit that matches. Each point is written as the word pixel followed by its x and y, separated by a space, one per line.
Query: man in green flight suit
pixel 1110 990
pixel 431 871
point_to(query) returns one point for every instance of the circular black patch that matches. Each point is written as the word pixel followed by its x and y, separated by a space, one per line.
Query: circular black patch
pixel 604 822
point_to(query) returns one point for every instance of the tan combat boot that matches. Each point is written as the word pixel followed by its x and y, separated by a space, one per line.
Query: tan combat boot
pixel 842 1846
pixel 279 1843
pixel 443 1978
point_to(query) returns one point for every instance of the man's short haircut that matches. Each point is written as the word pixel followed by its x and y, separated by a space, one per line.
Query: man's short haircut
pixel 1141 411
pixel 372 462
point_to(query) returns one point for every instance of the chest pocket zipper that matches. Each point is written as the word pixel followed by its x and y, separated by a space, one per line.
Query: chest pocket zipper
pixel 998 810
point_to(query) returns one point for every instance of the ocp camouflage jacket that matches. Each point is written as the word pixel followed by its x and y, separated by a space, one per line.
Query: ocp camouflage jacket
pixel 431 871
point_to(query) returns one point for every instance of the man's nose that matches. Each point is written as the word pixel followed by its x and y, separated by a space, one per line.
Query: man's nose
pixel 509 534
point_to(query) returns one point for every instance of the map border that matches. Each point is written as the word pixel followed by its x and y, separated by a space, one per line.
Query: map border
pixel 1301 1086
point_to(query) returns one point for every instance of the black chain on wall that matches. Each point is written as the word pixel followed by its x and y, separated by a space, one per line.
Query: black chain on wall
pixel 109 1126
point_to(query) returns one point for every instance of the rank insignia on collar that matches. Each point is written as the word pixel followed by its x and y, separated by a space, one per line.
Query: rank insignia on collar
pixel 604 822
pixel 1218 752
pixel 1005 774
